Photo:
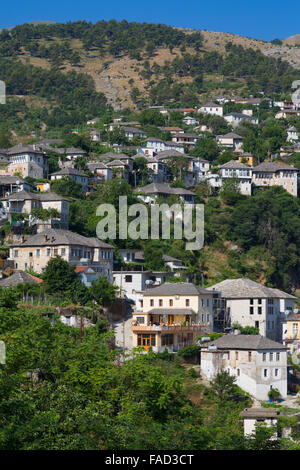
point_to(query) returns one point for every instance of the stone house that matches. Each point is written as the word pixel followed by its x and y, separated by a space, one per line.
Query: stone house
pixel 35 251
pixel 23 202
pixel 273 174
pixel 26 160
pixel 76 175
pixel 235 169
pixel 251 304
pixel 258 363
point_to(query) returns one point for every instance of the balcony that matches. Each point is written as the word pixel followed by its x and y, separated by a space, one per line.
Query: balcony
pixel 164 328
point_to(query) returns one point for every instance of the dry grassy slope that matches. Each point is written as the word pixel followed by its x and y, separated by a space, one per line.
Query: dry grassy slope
pixel 111 75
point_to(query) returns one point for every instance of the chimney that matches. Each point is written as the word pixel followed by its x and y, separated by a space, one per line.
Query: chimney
pixel 45 238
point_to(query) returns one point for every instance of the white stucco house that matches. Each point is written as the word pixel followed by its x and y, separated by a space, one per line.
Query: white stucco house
pixel 211 108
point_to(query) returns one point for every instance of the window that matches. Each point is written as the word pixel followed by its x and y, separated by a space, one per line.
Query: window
pixel 167 340
pixel 38 252
pixel 187 302
pixel 141 303
pixel 160 303
pixel 276 372
pixel 277 356
pixel 259 310
pixel 236 355
pixel 251 301
pixel 264 357
pixel 151 302
pixel 63 252
pixel 271 357
pixel 249 356
pixel 207 302
pixel 140 320
pixel 55 251
pixel 171 303
pixel 30 254
pixel 259 301
pixel 203 319
pixel 238 372
pixel 128 278
pixel 48 252
pixel 265 372
pixel 16 253
pixel 251 310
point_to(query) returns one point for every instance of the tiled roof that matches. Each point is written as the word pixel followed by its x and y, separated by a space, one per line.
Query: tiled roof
pixel 19 277
pixel 177 288
pixel 255 342
pixel 61 237
pixel 69 171
pixel 27 195
pixel 273 167
pixel 244 288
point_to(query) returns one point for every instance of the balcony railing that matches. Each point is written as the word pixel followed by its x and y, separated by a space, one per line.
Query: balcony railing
pixel 141 327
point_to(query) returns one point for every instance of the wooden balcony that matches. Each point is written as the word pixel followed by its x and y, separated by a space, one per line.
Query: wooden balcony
pixel 170 328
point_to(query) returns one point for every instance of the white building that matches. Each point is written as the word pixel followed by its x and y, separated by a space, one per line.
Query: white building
pixel 235 169
pixel 236 118
pixel 211 108
pixel 273 174
pixel 292 134
pixel 258 363
pixel 252 304
pixel 133 284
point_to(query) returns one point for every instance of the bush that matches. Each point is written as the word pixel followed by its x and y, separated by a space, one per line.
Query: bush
pixel 189 351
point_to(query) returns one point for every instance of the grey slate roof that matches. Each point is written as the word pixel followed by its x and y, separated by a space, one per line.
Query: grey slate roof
pixel 260 413
pixel 61 237
pixel 27 195
pixel 21 148
pixel 69 171
pixel 244 288
pixel 234 164
pixel 11 180
pixel 255 342
pixel 177 288
pixel 163 188
pixel 231 135
pixel 19 277
pixel 273 167
pixel 169 153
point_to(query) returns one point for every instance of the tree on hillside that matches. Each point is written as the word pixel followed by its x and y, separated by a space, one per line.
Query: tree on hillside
pixel 102 291
pixel 223 385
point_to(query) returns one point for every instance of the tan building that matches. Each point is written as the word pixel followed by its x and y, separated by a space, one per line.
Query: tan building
pixel 291 333
pixel 23 202
pixel 35 251
pixel 273 174
pixel 26 160
pixel 172 315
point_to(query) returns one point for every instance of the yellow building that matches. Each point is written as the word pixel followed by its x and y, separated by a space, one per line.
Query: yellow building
pixel 291 333
pixel 173 315
pixel 248 159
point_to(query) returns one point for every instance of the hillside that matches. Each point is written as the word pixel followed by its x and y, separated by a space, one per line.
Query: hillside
pixel 130 62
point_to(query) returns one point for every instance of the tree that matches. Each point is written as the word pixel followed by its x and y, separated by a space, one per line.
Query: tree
pixel 102 291
pixel 67 186
pixel 60 278
pixel 223 386
pixel 230 191
pixel 206 148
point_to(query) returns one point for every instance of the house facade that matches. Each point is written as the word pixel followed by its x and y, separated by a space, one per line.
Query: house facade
pixel 23 202
pixel 76 175
pixel 235 169
pixel 257 363
pixel 273 174
pixel 211 108
pixel 26 160
pixel 34 252
pixel 251 304
pixel 172 316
